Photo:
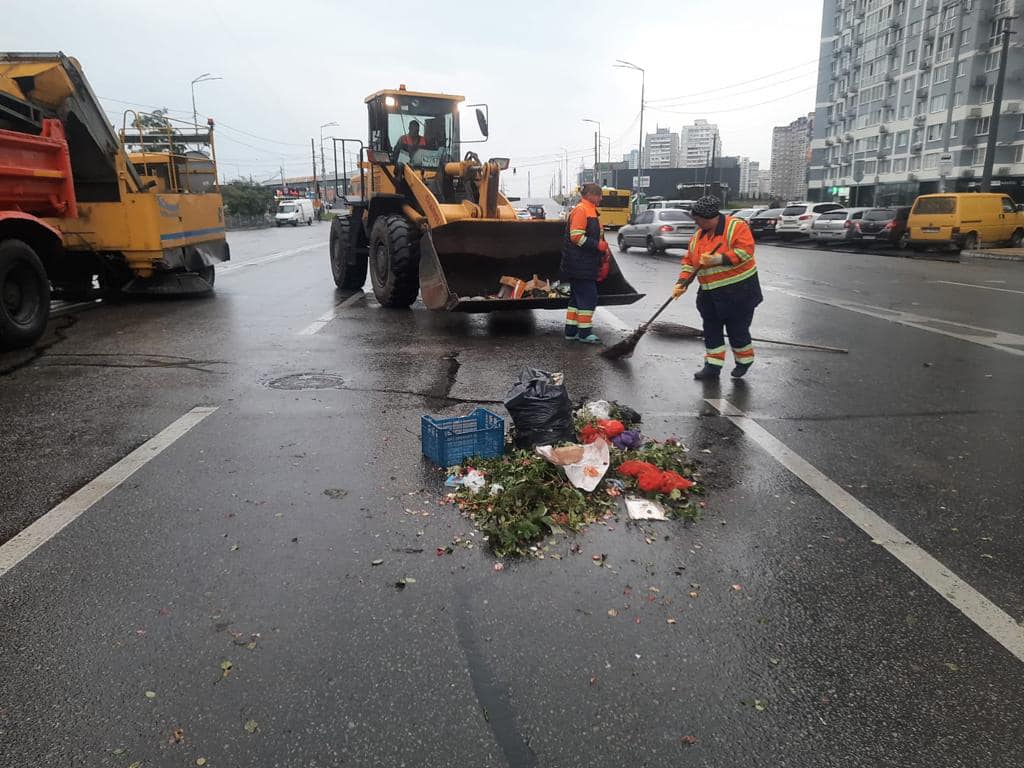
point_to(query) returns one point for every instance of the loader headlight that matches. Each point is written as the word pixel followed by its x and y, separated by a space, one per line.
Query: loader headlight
pixel 502 163
pixel 389 101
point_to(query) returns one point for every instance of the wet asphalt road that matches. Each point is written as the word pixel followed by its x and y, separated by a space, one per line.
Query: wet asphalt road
pixel 225 547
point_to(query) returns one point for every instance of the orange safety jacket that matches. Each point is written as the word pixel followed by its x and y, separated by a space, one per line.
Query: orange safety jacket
pixel 406 141
pixel 735 244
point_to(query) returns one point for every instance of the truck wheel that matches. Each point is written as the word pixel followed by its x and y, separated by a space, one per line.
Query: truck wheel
pixel 1017 238
pixel 24 295
pixel 970 242
pixel 394 261
pixel 209 274
pixel 346 275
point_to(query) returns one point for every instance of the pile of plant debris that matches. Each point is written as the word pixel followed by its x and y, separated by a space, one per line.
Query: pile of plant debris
pixel 519 499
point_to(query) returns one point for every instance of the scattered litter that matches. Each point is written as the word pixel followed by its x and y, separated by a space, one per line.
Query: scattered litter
pixel 596 409
pixel 612 612
pixel 150 694
pixel 644 509
pixel 499 566
pixel 689 741
pixel 736 587
pixel 377 562
pixel 177 736
pixel 584 465
pixel 225 668
pixel 336 493
pixel 671 621
pixel 200 761
pixel 251 726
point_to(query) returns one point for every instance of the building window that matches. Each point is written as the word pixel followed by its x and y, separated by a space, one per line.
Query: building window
pixel 908 85
pixel 935 132
pixel 931 160
pixel 961 68
pixel 1020 125
pixel 858 145
pixel 981 127
pixel 941 74
pixel 1018 153
pixel 992 62
pixel 899 165
pixel 870 168
pixel 901 138
pixel 904 111
pixel 883 166
pixel 915 163
pixel 911 57
pixel 958 98
pixel 954 130
pixel 938 103
pixel 990 93
pixel 979 156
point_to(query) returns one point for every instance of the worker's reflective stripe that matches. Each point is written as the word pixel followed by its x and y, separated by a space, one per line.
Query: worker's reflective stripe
pixel 715 356
pixel 578 236
pixel 570 316
pixel 743 354
pixel 718 282
pixel 686 272
pixel 744 256
pixel 712 360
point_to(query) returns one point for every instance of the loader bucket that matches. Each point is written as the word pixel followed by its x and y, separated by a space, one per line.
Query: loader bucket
pixel 462 263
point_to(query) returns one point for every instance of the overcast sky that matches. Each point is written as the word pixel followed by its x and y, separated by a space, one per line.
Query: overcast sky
pixel 288 67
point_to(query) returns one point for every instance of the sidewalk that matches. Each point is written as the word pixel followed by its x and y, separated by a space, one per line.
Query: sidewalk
pixel 999 254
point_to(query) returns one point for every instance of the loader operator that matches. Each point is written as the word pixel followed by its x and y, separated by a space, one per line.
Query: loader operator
pixel 584 256
pixel 721 257
pixel 411 141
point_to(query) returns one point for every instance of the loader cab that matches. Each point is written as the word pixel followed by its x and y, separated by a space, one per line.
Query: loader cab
pixel 392 112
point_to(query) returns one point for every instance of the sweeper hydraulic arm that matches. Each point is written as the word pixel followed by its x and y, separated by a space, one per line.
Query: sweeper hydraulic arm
pixel 427 219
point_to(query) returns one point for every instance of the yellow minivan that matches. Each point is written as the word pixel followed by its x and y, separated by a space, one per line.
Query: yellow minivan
pixel 965 220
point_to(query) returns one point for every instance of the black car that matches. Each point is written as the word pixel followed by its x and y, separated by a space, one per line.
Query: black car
pixel 763 224
pixel 883 225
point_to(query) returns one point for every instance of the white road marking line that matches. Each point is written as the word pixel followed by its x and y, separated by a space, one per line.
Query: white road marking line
pixel 974 285
pixel 610 318
pixel 985 337
pixel 61 308
pixel 317 325
pixel 234 267
pixel 54 521
pixel 996 623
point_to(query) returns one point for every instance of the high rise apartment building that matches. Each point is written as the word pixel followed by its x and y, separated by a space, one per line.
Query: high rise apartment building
pixel 897 90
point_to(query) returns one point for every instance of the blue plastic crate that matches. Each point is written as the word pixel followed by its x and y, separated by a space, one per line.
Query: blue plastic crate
pixel 447 442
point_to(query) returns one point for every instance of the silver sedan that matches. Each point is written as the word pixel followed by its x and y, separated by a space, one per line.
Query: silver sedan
pixel 657 230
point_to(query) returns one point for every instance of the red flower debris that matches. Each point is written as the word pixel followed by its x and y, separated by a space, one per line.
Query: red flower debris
pixel 608 428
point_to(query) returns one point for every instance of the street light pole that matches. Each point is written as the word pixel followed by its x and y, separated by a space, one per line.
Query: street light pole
pixel 948 128
pixel 597 144
pixel 203 78
pixel 323 169
pixel 640 145
pixel 997 104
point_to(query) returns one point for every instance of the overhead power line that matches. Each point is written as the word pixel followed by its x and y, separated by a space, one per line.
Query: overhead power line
pixel 712 112
pixel 734 85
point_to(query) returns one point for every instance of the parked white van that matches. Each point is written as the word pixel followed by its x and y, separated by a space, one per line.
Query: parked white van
pixel 294 211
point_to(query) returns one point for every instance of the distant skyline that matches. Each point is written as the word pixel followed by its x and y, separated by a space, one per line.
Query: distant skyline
pixel 540 73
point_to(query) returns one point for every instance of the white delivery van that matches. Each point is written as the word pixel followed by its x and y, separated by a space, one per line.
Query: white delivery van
pixel 295 211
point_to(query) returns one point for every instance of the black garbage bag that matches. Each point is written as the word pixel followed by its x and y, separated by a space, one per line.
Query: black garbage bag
pixel 540 409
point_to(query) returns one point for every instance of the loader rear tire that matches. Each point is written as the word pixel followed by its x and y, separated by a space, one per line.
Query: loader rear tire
pixel 394 261
pixel 347 275
pixel 24 295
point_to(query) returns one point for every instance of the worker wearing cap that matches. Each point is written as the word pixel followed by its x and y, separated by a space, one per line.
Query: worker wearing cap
pixel 583 251
pixel 721 257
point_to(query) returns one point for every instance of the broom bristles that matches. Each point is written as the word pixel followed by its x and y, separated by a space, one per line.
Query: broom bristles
pixel 624 347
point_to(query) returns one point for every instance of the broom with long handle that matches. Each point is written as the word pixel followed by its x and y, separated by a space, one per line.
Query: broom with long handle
pixel 628 344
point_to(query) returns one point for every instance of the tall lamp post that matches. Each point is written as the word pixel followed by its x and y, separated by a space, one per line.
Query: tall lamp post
pixel 323 167
pixel 203 78
pixel 640 158
pixel 597 144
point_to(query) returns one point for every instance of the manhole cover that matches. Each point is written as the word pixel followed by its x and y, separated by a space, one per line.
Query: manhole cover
pixel 308 381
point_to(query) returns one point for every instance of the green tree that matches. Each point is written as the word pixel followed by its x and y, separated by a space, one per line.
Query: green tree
pixel 246 198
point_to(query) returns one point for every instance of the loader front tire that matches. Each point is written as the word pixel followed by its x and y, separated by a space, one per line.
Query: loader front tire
pixel 24 295
pixel 394 261
pixel 348 269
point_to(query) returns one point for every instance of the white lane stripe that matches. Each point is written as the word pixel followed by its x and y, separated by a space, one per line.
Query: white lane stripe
pixel 985 337
pixel 996 623
pixel 54 521
pixel 235 266
pixel 317 325
pixel 610 318
pixel 973 285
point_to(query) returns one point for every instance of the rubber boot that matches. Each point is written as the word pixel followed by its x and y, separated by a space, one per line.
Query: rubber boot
pixel 708 372
pixel 740 370
pixel 589 339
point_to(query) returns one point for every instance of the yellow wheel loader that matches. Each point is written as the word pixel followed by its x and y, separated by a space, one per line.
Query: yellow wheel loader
pixel 426 218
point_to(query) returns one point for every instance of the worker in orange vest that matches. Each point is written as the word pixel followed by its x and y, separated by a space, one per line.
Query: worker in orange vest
pixel 585 262
pixel 721 257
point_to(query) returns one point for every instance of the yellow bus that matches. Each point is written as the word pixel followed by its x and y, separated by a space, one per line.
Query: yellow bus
pixel 615 208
